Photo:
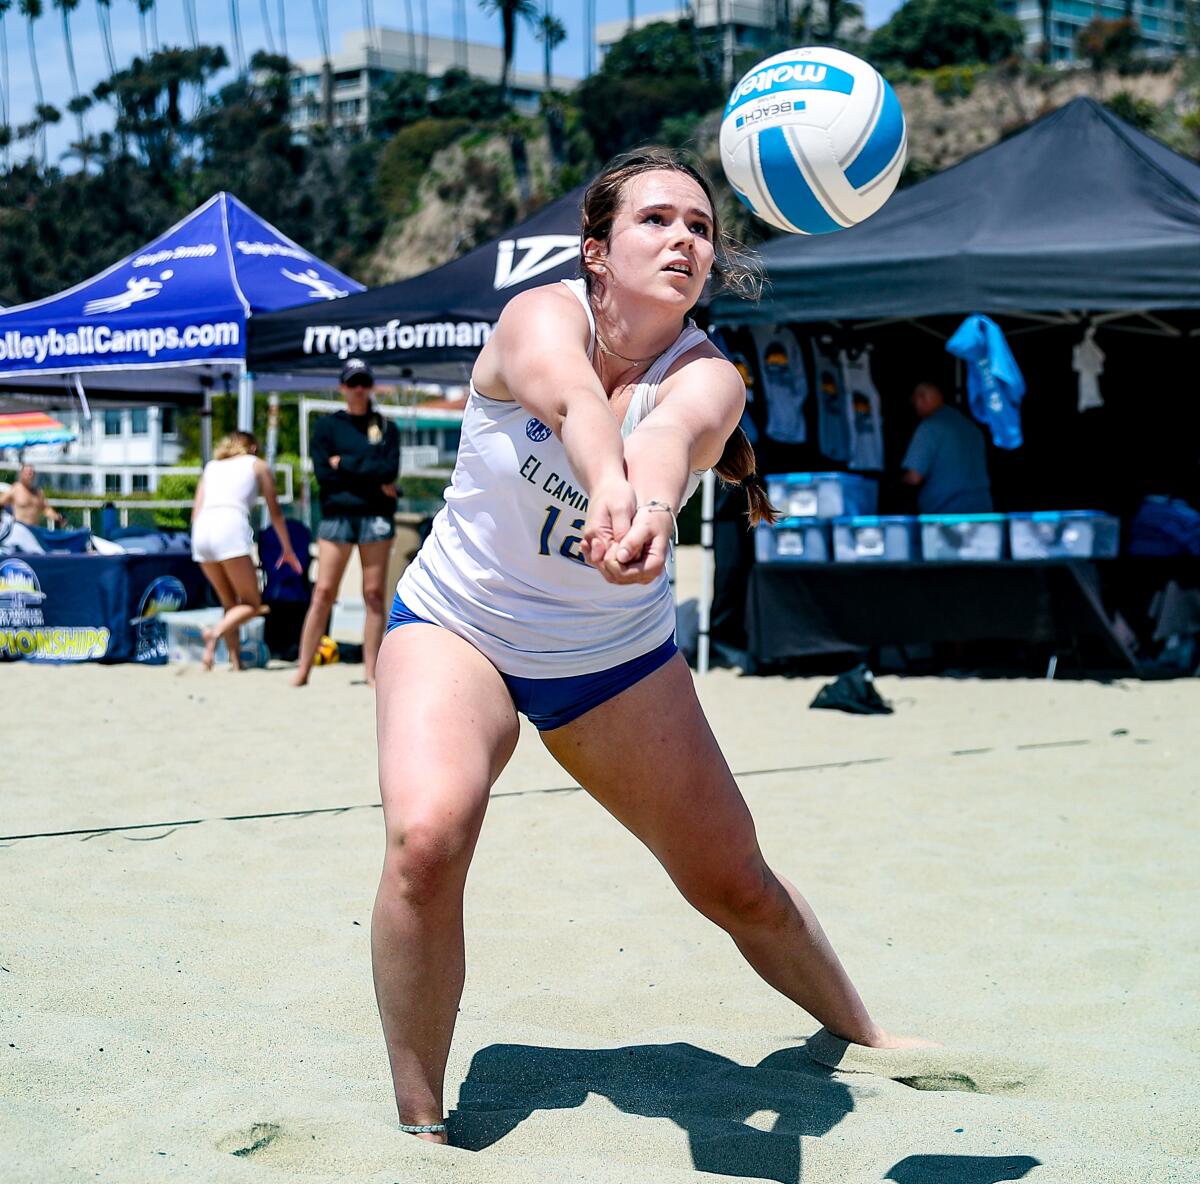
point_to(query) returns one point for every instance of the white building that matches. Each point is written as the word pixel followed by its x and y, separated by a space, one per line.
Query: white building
pixel 119 450
pixel 1163 25
pixel 369 57
pixel 747 24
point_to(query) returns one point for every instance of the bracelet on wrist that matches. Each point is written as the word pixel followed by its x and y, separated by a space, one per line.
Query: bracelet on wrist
pixel 655 506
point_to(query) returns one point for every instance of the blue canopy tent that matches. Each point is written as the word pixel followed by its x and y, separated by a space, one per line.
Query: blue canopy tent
pixel 169 319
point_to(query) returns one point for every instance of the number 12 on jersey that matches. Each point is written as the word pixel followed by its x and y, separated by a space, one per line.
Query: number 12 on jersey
pixel 570 544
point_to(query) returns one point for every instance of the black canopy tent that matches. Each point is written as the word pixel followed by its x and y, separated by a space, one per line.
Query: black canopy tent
pixel 430 326
pixel 1078 220
pixel 1077 213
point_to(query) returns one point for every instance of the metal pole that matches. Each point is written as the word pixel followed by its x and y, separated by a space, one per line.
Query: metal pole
pixel 305 501
pixel 206 414
pixel 245 412
pixel 708 500
pixel 272 443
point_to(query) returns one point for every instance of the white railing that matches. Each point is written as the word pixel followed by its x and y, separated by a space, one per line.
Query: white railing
pixel 123 503
pixel 418 456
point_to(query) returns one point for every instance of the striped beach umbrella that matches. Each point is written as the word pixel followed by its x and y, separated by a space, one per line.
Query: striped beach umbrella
pixel 20 429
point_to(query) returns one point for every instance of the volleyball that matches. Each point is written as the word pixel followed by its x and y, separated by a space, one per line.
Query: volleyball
pixel 813 140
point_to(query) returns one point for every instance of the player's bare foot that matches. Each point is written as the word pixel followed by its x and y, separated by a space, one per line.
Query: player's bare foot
pixel 210 646
pixel 299 680
pixel 887 1040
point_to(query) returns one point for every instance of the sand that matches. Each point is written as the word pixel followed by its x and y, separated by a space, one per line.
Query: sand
pixel 1008 867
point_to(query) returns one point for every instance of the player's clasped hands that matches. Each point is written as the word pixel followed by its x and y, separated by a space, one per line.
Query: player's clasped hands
pixel 625 545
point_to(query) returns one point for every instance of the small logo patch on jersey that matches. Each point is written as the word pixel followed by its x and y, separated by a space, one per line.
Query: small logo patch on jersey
pixel 537 431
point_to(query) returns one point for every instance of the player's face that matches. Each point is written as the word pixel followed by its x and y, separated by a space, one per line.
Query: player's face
pixel 661 242
pixel 357 395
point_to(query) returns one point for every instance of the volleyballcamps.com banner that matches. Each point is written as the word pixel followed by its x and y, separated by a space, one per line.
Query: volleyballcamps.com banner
pixel 81 346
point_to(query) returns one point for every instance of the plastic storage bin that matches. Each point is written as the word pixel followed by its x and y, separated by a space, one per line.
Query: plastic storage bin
pixel 952 537
pixel 1057 534
pixel 793 540
pixel 185 642
pixel 890 539
pixel 822 495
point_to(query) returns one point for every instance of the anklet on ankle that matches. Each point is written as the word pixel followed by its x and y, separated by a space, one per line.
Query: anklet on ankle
pixel 428 1128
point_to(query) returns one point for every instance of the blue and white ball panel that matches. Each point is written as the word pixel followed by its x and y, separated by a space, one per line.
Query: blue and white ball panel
pixel 813 140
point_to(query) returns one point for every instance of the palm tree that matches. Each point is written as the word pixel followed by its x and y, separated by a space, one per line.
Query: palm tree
pixel 5 5
pixel 321 12
pixel 189 19
pixel 1044 15
pixel 143 7
pixel 78 104
pixel 31 10
pixel 509 11
pixel 589 35
pixel 104 20
pixel 551 32
pixel 235 28
pixel 266 17
pixel 6 133
pixel 460 33
pixel 412 36
pixel 369 24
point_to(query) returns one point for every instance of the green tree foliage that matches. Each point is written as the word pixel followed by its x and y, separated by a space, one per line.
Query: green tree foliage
pixel 1142 113
pixel 926 34
pixel 653 73
pixel 462 97
pixel 402 100
pixel 1108 44
pixel 406 159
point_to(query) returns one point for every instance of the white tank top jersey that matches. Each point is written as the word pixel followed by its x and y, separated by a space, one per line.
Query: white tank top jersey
pixel 230 483
pixel 501 566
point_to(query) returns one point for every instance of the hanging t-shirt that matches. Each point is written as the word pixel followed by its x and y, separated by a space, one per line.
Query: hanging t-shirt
pixel 863 407
pixel 723 339
pixel 995 385
pixel 833 420
pixel 785 382
pixel 1087 360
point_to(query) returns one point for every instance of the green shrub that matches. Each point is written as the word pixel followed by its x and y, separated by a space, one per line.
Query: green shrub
pixel 176 487
pixel 1142 113
pixel 407 157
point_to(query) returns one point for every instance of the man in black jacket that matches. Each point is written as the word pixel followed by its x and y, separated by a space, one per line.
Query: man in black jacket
pixel 356 456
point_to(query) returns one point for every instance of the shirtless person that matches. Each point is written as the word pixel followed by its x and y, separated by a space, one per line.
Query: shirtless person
pixel 27 501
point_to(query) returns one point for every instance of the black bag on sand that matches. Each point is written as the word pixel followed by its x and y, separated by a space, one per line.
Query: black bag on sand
pixel 854 692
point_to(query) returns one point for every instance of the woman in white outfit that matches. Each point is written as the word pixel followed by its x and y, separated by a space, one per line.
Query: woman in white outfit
pixel 223 540
pixel 542 589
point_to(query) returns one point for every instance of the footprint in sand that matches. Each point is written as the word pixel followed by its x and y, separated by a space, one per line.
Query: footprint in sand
pixel 246 1143
pixel 944 1069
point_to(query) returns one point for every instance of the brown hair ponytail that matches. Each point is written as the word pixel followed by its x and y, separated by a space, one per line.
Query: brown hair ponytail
pixel 738 466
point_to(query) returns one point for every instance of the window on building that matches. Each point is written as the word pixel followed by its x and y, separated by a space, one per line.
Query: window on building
pixel 141 482
pixel 139 421
pixel 166 419
pixel 112 482
pixel 112 423
pixel 348 108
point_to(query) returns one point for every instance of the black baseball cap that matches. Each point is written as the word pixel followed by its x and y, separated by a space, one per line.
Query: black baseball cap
pixel 357 373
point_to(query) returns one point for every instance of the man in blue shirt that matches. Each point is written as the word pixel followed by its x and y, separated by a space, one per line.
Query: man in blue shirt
pixel 946 458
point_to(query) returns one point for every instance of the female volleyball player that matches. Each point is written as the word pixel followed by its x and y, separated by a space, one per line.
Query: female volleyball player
pixel 542 590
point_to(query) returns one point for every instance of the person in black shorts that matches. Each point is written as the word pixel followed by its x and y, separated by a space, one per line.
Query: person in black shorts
pixel 356 456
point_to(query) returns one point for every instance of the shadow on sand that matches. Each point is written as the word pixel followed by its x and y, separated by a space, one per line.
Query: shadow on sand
pixel 708 1096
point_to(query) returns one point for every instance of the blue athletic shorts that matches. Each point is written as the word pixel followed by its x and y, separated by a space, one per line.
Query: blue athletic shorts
pixel 552 702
